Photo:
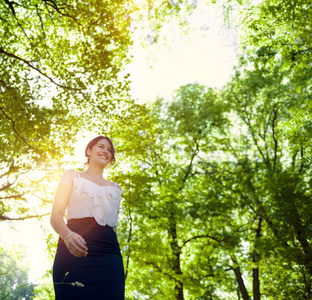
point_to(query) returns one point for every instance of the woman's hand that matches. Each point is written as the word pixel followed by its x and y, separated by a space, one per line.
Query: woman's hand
pixel 76 245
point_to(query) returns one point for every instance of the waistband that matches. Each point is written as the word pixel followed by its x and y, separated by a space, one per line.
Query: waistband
pixel 84 221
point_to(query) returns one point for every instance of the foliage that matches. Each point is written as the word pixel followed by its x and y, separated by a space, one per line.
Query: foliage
pixel 161 183
pixel 283 29
pixel 14 275
pixel 150 19
pixel 272 169
pixel 217 184
pixel 59 61
pixel 216 195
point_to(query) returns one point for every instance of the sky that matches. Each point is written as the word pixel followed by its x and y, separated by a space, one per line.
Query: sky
pixel 206 55
pixel 30 236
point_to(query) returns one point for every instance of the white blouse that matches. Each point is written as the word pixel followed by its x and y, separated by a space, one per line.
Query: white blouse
pixel 89 199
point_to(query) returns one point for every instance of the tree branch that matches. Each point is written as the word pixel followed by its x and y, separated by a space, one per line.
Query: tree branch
pixel 239 278
pixel 15 196
pixel 4 218
pixel 14 127
pixel 212 237
pixel 43 200
pixel 266 159
pixel 52 4
pixel 200 237
pixel 189 168
pixel 40 19
pixel 37 69
pixel 274 134
pixel 10 4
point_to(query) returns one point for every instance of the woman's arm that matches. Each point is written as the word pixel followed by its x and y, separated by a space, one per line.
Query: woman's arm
pixel 74 242
pixel 60 203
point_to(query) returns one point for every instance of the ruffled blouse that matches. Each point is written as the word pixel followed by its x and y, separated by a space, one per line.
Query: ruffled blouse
pixel 89 199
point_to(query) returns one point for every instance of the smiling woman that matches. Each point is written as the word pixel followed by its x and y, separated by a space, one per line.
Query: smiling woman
pixel 105 146
pixel 88 262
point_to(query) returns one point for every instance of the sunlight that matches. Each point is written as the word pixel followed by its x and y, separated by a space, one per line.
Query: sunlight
pixel 28 234
pixel 207 56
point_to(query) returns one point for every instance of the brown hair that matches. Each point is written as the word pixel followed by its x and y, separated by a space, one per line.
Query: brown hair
pixel 93 142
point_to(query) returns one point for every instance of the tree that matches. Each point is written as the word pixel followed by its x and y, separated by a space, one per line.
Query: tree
pixel 271 167
pixel 215 195
pixel 59 61
pixel 250 189
pixel 276 35
pixel 283 28
pixel 14 276
pixel 159 223
pixel 217 184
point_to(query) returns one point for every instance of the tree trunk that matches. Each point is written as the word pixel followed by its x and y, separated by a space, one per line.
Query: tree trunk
pixel 176 251
pixel 255 259
pixel 241 283
pixel 240 279
pixel 256 284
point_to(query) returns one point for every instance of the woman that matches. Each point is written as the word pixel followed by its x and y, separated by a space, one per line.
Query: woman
pixel 88 263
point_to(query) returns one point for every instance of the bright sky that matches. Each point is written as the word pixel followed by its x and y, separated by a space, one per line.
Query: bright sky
pixel 30 236
pixel 207 56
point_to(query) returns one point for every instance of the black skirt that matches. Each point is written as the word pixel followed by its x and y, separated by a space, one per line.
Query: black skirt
pixel 99 275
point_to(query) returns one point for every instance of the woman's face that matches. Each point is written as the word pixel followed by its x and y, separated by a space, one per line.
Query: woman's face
pixel 101 153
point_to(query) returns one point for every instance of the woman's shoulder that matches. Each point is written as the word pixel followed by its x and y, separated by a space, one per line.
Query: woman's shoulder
pixel 68 176
pixel 112 183
pixel 117 186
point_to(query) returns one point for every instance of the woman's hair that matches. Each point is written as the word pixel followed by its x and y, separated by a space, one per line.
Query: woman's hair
pixel 93 142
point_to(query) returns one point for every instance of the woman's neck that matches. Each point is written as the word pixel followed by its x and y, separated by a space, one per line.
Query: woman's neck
pixel 94 172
